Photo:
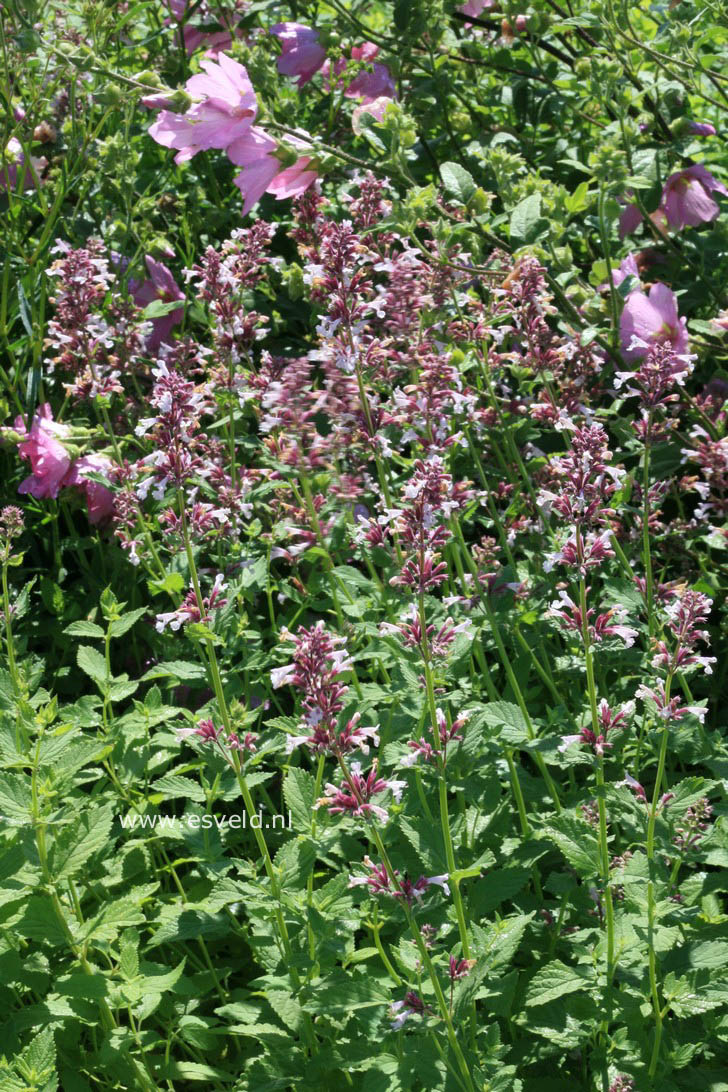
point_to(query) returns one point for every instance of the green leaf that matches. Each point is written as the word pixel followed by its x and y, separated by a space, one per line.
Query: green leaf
pixel 298 789
pixel 344 992
pixel 577 842
pixel 175 787
pixel 177 669
pixel 426 840
pixel 295 860
pixel 526 223
pixel 554 980
pixel 119 626
pixel 457 181
pixel 507 720
pixel 40 922
pixel 16 803
pixel 497 887
pixel 160 981
pixel 129 954
pixel 40 1057
pixel 158 308
pixel 84 629
pixel 93 664
pixel 578 200
pixel 76 844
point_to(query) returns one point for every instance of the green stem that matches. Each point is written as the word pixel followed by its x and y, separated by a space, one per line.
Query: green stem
pixel 651 902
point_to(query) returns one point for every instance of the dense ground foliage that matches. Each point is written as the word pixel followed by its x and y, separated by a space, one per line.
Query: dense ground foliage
pixel 363 546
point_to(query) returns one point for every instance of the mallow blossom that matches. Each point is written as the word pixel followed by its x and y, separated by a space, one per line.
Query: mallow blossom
pixel 368 85
pixel 686 201
pixel 161 286
pixel 49 460
pixel 222 117
pixel 223 110
pixel 301 55
pixel 261 172
pixel 53 468
pixel 686 197
pixel 649 320
pixel 99 499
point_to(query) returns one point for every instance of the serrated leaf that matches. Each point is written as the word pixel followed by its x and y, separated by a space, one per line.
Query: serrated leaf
pixel 177 669
pixel 554 980
pixel 129 954
pixel 298 789
pixel 498 886
pixel 507 721
pixel 84 629
pixel 427 843
pixel 176 787
pixel 577 842
pixel 295 860
pixel 160 981
pixel 16 803
pixel 526 222
pixel 93 664
pixel 40 1055
pixel 119 626
pixel 457 181
pixel 344 992
pixel 77 843
pixel 40 922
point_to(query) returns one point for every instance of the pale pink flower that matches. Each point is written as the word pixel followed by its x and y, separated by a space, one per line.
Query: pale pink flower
pixel 160 286
pixel 293 181
pixel 224 110
pixel 301 55
pixel 630 219
pixel 367 85
pixel 216 42
pixel 376 108
pixel 256 154
pixel 651 320
pixel 475 8
pixel 686 197
pixel 376 84
pixel 49 460
pixel 99 499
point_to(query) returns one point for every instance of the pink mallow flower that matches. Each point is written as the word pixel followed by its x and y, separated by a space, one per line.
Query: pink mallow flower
pixel 651 320
pixel 99 499
pixel 49 460
pixel 627 268
pixel 686 197
pixel 256 153
pixel 475 8
pixel 367 85
pixel 224 109
pixel 162 286
pixel 301 55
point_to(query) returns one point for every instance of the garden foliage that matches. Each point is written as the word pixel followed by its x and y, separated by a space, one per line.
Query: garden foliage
pixel 363 546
